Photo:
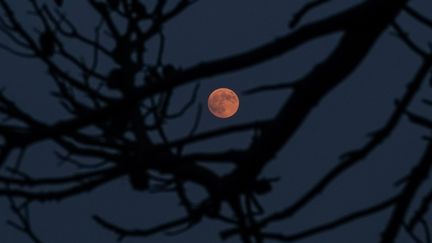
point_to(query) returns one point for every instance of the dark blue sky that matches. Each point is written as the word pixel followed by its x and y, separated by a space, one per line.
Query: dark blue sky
pixel 213 29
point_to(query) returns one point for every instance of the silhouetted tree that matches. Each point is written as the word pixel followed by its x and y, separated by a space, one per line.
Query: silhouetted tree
pixel 114 110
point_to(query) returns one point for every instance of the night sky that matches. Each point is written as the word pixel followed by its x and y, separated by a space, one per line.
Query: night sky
pixel 340 123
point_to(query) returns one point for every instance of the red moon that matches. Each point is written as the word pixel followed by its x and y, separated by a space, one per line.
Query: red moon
pixel 223 102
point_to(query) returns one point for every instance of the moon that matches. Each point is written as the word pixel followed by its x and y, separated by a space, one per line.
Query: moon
pixel 223 103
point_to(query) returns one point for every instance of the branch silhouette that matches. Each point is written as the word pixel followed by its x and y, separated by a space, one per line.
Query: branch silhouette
pixel 115 111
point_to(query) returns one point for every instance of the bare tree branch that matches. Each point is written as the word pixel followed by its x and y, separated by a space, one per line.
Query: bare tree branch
pixel 417 177
pixel 334 223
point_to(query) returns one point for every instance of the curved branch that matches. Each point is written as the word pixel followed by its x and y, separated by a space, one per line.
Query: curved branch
pixel 353 158
pixel 64 193
pixel 55 181
pixel 123 233
pixel 417 177
pixel 333 224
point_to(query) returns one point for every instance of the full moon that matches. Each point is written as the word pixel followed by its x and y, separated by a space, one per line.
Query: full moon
pixel 223 103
